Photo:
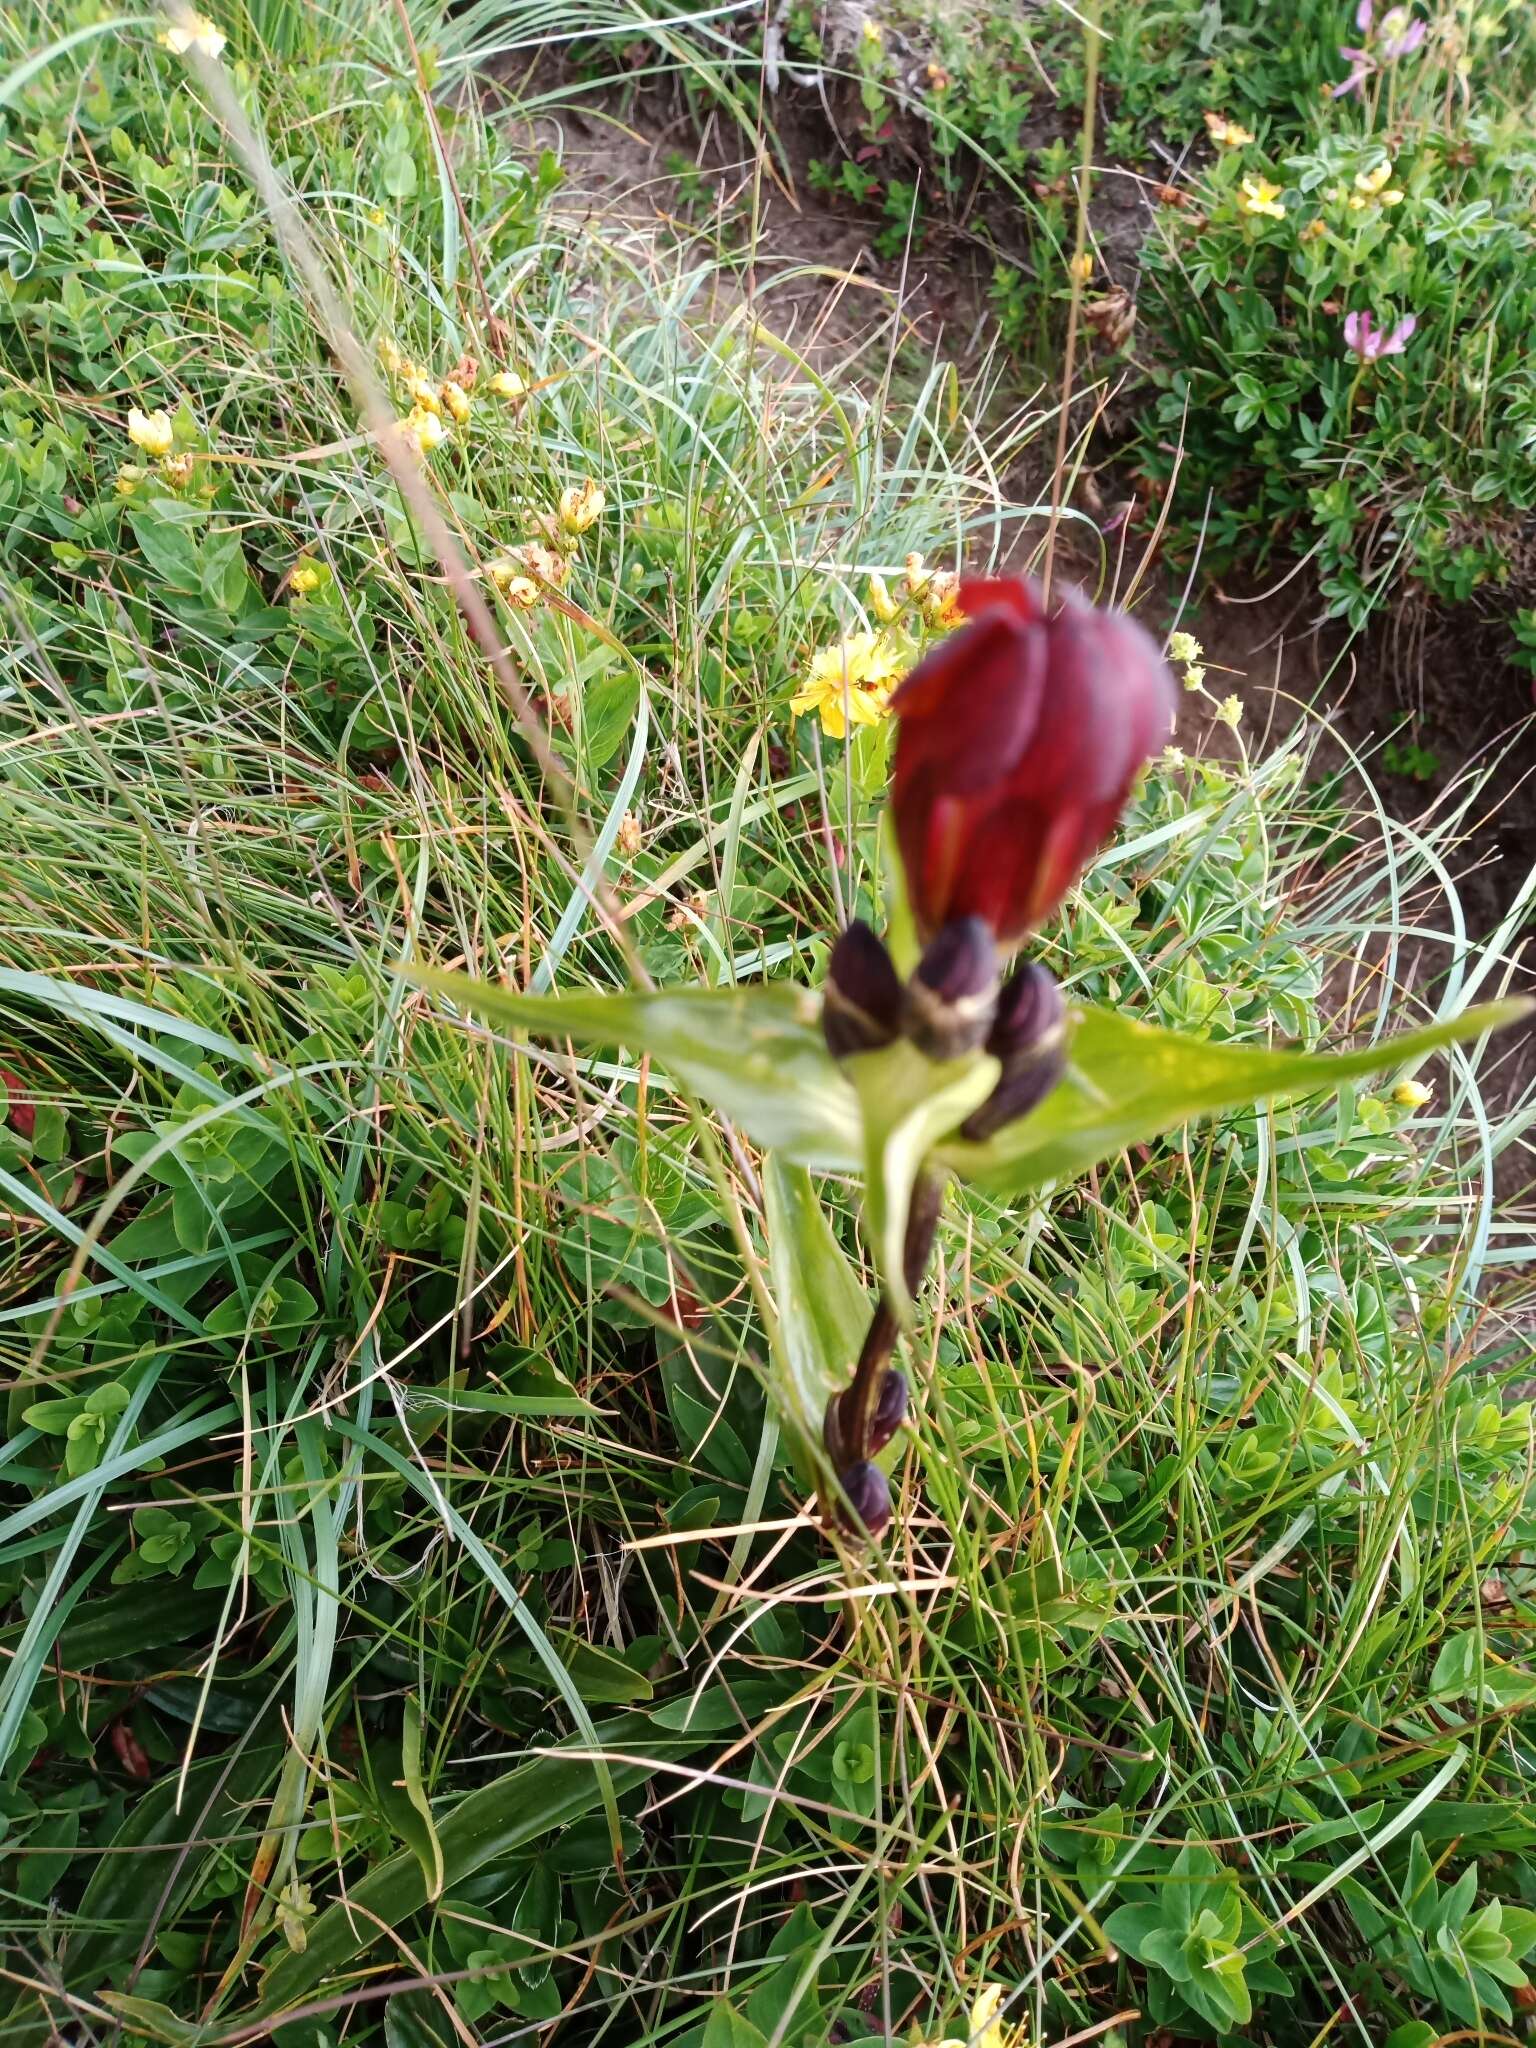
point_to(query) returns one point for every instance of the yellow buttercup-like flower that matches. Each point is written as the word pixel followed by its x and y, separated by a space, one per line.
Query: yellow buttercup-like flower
pixel 192 32
pixel 1227 134
pixel 306 579
pixel 151 431
pixel 581 505
pixel 1259 196
pixel 1371 182
pixel 849 683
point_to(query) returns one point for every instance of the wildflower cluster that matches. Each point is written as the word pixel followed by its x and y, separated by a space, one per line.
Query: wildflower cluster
pixel 850 683
pixel 156 434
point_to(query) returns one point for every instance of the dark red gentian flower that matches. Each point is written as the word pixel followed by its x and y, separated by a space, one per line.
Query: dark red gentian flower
pixel 1017 742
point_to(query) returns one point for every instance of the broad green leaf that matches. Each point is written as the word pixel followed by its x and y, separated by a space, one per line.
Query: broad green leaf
pixel 823 1309
pixel 490 1824
pixel 755 1054
pixel 1129 1082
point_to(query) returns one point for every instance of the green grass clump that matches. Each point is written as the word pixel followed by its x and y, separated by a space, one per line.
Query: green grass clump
pixel 413 1631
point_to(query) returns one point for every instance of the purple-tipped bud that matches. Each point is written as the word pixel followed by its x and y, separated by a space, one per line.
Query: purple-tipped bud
pixel 890 1411
pixel 861 1003
pixel 1029 1036
pixel 866 1505
pixel 951 999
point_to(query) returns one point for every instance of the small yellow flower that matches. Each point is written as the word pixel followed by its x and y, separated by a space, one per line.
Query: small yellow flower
pixel 849 683
pixel 1227 134
pixel 917 578
pixel 1259 196
pixel 1411 1094
pixel 514 586
pixel 306 579
pixel 1230 711
pixel 581 505
pixel 1371 182
pixel 423 430
pixel 377 217
pixel 873 33
pixel 985 2027
pixel 192 32
pixel 151 431
pixel 457 402
pixel 1080 269
pixel 1194 676
pixel 1184 648
pixel 422 393
pixel 629 838
pixel 940 602
pixel 507 384
pixel 881 602
pixel 129 477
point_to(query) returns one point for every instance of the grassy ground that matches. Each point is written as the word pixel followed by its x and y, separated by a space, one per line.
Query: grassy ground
pixel 414 1629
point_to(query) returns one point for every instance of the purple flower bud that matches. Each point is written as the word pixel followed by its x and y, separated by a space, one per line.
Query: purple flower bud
pixel 861 1003
pixel 890 1411
pixel 1029 1036
pixel 951 998
pixel 866 1505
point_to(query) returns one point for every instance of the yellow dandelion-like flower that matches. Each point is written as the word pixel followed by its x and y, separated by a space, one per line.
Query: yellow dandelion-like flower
pixel 581 505
pixel 1227 134
pixel 192 32
pixel 151 431
pixel 507 384
pixel 456 401
pixel 1258 196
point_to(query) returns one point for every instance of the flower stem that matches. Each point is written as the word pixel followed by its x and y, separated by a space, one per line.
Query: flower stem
pixel 856 1407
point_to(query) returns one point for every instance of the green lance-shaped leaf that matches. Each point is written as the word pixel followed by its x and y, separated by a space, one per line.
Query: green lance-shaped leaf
pixel 1128 1082
pixel 488 1825
pixel 755 1054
